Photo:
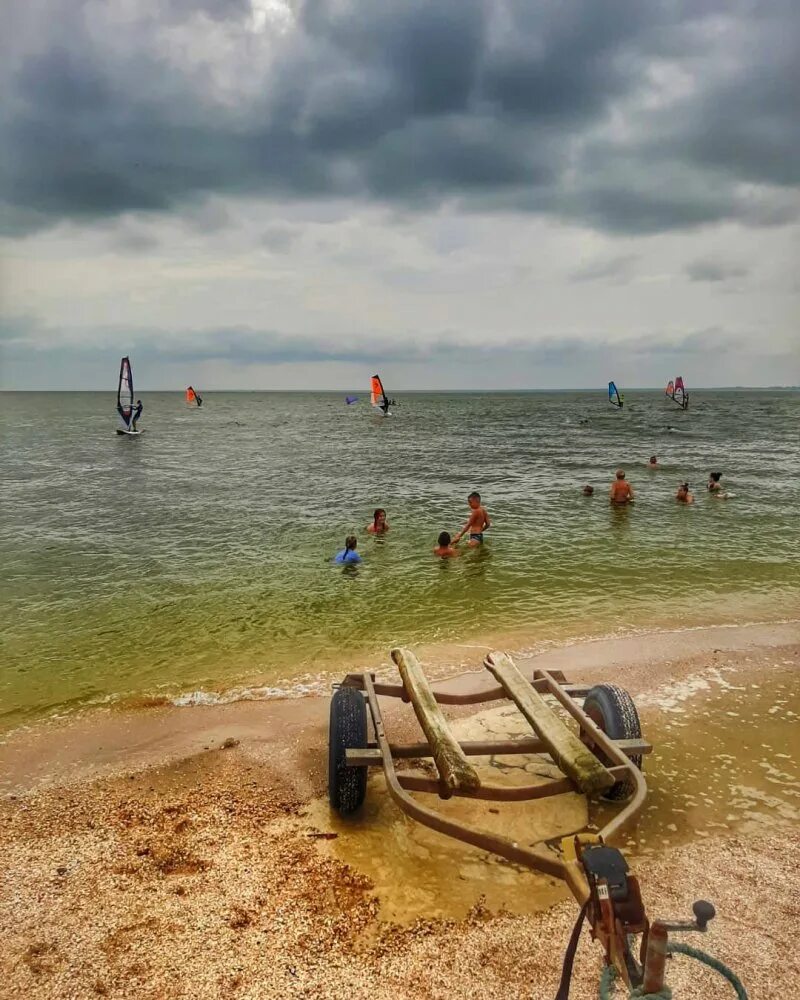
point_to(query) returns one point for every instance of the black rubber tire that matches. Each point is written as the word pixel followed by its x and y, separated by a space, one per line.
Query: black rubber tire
pixel 613 710
pixel 347 786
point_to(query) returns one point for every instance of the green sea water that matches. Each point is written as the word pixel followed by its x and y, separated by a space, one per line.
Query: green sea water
pixel 197 557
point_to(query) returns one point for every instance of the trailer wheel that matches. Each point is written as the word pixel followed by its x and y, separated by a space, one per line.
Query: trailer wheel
pixel 347 786
pixel 611 708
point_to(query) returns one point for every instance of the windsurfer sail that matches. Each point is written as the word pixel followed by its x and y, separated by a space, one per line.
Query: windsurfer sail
pixel 193 396
pixel 677 393
pixel 350 400
pixel 681 395
pixel 125 393
pixel 614 396
pixel 378 396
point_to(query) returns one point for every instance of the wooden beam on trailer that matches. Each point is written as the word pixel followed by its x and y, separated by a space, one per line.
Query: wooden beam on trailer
pixel 563 745
pixel 455 771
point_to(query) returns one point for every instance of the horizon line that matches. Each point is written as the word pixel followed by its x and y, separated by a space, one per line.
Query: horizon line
pixel 473 389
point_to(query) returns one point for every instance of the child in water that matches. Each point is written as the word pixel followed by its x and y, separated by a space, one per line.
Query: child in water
pixel 444 549
pixel 714 484
pixel 379 524
pixel 477 523
pixel 348 555
pixel 588 491
pixel 653 463
pixel 683 495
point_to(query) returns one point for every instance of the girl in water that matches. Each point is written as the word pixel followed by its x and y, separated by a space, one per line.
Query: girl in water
pixel 348 555
pixel 379 524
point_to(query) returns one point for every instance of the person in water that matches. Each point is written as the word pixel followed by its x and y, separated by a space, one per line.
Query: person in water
pixel 348 555
pixel 621 491
pixel 653 463
pixel 477 522
pixel 379 524
pixel 714 484
pixel 136 413
pixel 683 495
pixel 588 491
pixel 444 549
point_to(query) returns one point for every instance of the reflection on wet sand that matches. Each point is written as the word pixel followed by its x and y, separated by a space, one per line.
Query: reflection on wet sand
pixel 420 873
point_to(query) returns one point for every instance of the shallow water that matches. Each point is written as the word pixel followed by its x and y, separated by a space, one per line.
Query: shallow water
pixel 197 556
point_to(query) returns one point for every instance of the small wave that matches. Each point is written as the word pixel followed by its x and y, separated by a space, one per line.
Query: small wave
pixel 266 693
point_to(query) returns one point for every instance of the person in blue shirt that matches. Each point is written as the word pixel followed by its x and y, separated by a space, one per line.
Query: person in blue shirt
pixel 348 555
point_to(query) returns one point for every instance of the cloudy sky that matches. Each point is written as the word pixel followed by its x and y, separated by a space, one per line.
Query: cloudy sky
pixel 466 193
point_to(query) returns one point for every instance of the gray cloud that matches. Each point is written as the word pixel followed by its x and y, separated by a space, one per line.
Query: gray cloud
pixel 612 267
pixel 497 103
pixel 713 271
pixel 278 238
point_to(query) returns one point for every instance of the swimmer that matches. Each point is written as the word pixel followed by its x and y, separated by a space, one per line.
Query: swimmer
pixel 620 491
pixel 653 463
pixel 683 495
pixel 444 548
pixel 379 524
pixel 588 491
pixel 477 523
pixel 714 484
pixel 348 555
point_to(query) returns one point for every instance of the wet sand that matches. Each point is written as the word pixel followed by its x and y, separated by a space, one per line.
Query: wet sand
pixel 171 853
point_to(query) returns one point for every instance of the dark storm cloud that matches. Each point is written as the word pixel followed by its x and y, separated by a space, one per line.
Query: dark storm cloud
pixel 244 346
pixel 497 103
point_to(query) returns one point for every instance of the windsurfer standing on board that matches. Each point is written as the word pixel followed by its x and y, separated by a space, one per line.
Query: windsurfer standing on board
pixel 136 413
pixel 621 491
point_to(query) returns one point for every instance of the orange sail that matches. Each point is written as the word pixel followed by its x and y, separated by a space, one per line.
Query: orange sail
pixel 190 396
pixel 377 395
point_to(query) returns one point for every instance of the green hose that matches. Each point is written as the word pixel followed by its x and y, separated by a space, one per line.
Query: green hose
pixel 712 963
pixel 610 974
pixel 607 988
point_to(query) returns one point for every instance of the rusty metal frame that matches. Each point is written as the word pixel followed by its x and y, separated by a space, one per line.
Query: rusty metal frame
pixel 383 753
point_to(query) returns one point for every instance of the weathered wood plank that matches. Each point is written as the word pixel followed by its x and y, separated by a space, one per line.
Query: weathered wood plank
pixel 563 745
pixel 455 771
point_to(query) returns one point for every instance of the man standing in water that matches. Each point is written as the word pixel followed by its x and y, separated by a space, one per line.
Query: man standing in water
pixel 620 492
pixel 136 414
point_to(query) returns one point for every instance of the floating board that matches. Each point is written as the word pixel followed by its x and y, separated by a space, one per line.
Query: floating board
pixel 129 433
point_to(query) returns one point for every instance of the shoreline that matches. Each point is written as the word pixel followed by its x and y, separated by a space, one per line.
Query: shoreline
pixel 97 740
pixel 441 659
pixel 171 852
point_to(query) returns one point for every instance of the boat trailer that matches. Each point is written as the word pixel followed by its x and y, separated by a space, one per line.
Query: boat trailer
pixel 603 760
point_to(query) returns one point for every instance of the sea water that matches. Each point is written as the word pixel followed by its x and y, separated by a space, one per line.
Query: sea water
pixel 197 556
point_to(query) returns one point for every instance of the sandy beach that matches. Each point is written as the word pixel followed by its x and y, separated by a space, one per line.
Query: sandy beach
pixel 189 852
